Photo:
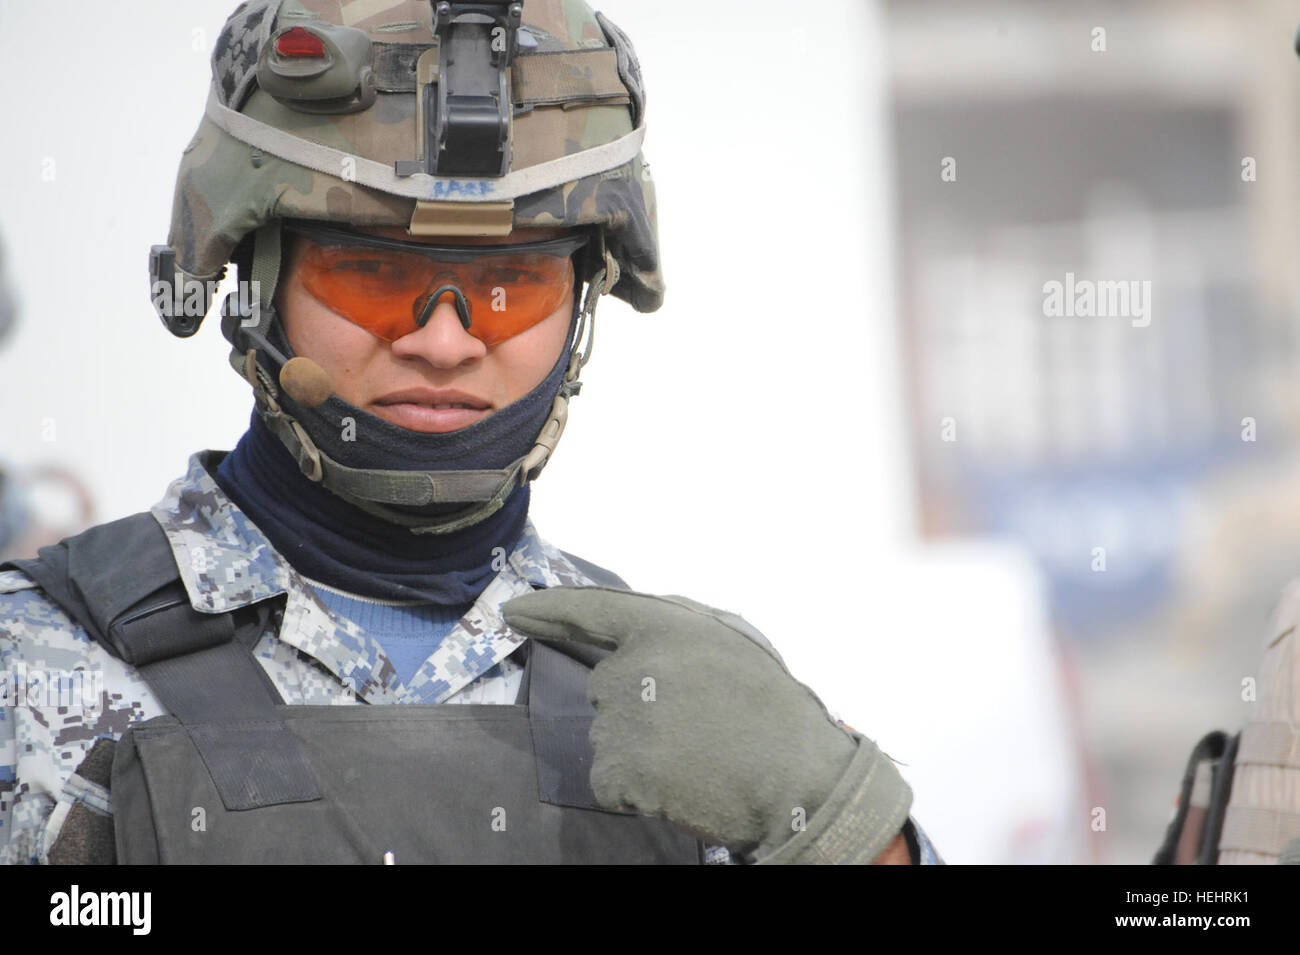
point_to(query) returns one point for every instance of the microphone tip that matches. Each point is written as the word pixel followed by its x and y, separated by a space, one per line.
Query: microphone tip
pixel 305 381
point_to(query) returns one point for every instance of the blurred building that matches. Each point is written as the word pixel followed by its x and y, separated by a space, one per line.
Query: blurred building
pixel 1142 445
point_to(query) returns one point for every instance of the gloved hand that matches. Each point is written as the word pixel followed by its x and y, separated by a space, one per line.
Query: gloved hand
pixel 699 722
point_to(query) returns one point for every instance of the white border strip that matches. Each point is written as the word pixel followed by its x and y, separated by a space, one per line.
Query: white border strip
pixel 376 175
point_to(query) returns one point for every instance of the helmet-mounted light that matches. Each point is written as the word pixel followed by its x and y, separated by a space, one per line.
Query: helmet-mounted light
pixel 299 42
pixel 318 67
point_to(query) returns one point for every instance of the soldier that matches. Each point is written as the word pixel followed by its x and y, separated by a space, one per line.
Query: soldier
pixel 424 203
pixel 1239 796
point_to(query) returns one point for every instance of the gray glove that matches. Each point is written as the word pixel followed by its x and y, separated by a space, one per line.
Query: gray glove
pixel 699 722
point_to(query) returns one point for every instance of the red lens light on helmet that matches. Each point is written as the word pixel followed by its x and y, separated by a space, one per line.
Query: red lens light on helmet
pixel 300 43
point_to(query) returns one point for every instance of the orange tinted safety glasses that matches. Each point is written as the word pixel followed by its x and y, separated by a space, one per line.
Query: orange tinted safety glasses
pixel 390 287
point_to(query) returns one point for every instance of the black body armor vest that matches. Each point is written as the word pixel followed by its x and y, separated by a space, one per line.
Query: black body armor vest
pixel 234 775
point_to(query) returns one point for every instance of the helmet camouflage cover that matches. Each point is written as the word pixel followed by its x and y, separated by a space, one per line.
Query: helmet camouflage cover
pixel 277 143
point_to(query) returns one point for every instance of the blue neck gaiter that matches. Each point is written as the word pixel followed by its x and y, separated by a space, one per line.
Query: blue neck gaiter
pixel 330 540
pixel 327 539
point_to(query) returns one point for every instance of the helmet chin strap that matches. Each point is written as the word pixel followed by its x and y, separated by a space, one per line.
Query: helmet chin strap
pixel 375 491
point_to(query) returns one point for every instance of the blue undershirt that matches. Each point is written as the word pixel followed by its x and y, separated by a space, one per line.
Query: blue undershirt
pixel 408 632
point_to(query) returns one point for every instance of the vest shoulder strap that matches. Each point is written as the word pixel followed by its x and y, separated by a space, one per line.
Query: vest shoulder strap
pixel 99 574
pixel 120 582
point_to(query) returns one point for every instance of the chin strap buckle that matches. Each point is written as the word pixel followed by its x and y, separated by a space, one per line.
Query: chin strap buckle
pixel 532 465
pixel 536 459
pixel 600 284
pixel 308 454
pixel 300 445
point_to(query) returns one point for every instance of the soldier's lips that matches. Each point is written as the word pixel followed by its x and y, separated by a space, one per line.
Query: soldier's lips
pixel 432 410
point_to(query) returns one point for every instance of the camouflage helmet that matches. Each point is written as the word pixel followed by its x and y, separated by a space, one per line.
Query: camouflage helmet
pixel 345 137
pixel 446 118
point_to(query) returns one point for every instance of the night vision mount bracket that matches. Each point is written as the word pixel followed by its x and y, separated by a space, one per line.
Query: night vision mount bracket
pixel 467 106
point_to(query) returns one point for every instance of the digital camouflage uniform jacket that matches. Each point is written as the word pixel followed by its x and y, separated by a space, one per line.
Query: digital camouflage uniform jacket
pixel 317 657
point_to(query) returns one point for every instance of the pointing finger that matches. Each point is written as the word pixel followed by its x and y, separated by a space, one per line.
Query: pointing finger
pixel 597 616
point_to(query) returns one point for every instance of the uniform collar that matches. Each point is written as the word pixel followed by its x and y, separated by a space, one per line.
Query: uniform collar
pixel 226 563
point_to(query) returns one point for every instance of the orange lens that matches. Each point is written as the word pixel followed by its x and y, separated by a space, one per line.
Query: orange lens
pixel 385 291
